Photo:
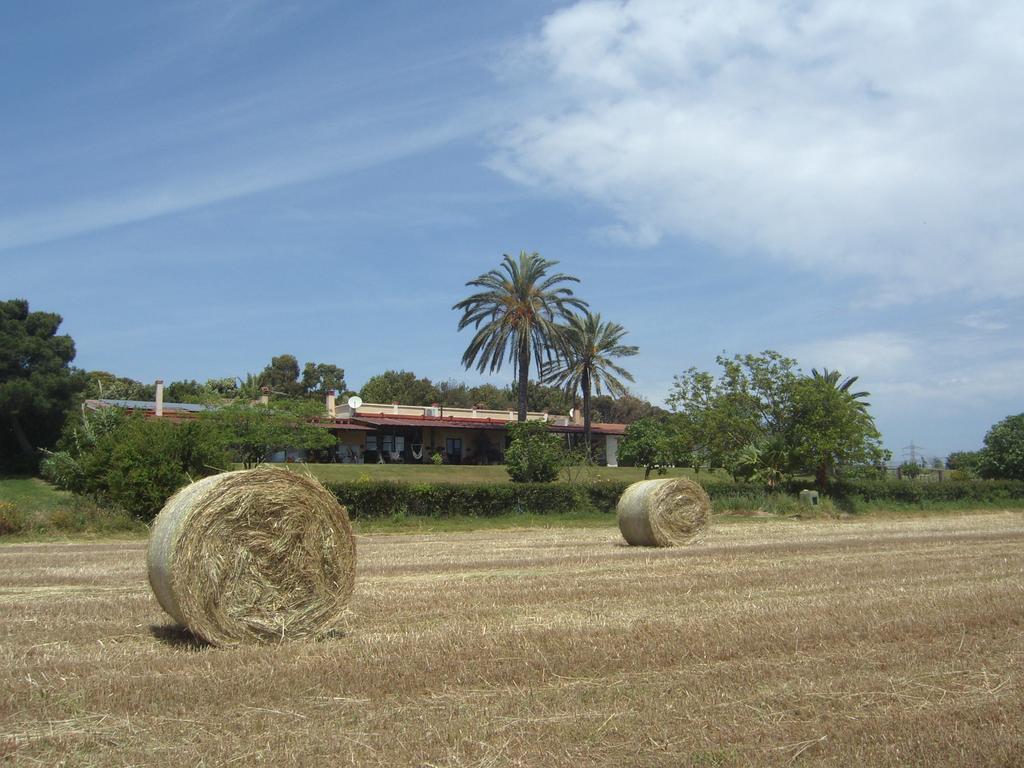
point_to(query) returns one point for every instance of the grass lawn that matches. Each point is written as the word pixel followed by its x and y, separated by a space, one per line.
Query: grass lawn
pixel 33 495
pixel 464 473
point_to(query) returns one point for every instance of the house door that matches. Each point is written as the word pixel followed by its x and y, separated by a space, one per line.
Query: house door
pixel 453 449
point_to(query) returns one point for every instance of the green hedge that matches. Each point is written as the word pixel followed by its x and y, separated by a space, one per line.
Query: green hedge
pixel 916 492
pixel 372 499
pixel 385 498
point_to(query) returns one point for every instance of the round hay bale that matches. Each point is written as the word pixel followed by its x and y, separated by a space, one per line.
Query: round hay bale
pixel 256 555
pixel 663 513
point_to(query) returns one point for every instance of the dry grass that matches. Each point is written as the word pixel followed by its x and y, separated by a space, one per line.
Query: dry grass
pixel 821 643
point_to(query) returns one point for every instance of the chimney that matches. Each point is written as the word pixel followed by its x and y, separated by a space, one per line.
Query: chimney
pixel 159 398
pixel 394 406
pixel 264 395
pixel 330 404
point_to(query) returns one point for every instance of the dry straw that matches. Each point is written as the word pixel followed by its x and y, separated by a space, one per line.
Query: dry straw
pixel 257 555
pixel 664 513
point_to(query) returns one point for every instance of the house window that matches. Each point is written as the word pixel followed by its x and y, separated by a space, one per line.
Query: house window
pixel 371 442
pixel 394 443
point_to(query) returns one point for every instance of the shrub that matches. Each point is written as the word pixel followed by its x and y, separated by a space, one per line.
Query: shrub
pixel 134 463
pixel 378 499
pixel 12 519
pixel 535 455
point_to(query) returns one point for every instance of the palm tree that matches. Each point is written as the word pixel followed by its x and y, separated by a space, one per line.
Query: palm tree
pixel 585 362
pixel 833 378
pixel 516 316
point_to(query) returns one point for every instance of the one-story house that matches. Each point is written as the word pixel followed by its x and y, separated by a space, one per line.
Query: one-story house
pixel 409 434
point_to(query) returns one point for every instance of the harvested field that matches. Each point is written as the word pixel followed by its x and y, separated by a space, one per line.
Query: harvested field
pixel 889 642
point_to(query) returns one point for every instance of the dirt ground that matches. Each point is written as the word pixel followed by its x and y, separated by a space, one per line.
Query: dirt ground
pixel 897 642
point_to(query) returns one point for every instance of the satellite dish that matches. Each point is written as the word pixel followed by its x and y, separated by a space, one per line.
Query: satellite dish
pixel 354 402
pixel 572 412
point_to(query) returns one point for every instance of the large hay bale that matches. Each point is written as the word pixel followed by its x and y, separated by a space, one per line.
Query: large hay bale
pixel 256 555
pixel 663 513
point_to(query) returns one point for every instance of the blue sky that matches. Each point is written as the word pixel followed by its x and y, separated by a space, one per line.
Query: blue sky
pixel 199 186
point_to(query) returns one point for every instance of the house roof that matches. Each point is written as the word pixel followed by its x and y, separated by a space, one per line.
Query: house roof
pixel 433 421
pixel 148 405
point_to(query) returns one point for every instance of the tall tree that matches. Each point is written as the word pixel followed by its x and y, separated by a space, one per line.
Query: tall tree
pixel 1003 454
pixel 320 378
pixel 401 387
pixel 282 376
pixel 37 383
pixel 516 316
pixel 835 379
pixel 830 426
pixel 584 363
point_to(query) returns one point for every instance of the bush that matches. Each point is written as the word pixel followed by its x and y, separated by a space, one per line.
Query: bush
pixel 535 455
pixel 134 463
pixel 380 499
pixel 12 519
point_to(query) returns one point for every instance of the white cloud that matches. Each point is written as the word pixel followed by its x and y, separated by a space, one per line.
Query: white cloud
pixel 872 355
pixel 987 320
pixel 877 140
pixel 903 371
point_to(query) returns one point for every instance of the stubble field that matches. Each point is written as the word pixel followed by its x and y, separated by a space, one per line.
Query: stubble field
pixel 818 643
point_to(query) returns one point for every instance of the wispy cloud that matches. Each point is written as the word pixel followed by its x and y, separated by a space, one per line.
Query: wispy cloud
pixel 293 164
pixel 847 139
pixel 987 320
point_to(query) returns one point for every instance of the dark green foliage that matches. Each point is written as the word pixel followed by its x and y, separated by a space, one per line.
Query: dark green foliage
pixel 133 463
pixel 982 491
pixel 320 378
pixel 910 469
pixel 37 383
pixel 458 394
pixel 376 499
pixel 539 398
pixel 967 462
pixel 399 386
pixel 1003 454
pixel 623 410
pixel 383 498
pixel 282 376
pixel 535 454
pixel 190 391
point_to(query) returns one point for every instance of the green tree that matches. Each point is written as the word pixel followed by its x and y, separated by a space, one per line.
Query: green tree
pixel 320 378
pixel 535 455
pixel 830 427
pixel 1002 457
pixel 190 391
pixel 656 442
pixel 400 386
pixel 584 363
pixel 37 383
pixel 967 462
pixel 102 385
pixel 539 397
pixel 282 376
pixel 624 409
pixel 516 317
pixel 252 431
pixel 645 444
